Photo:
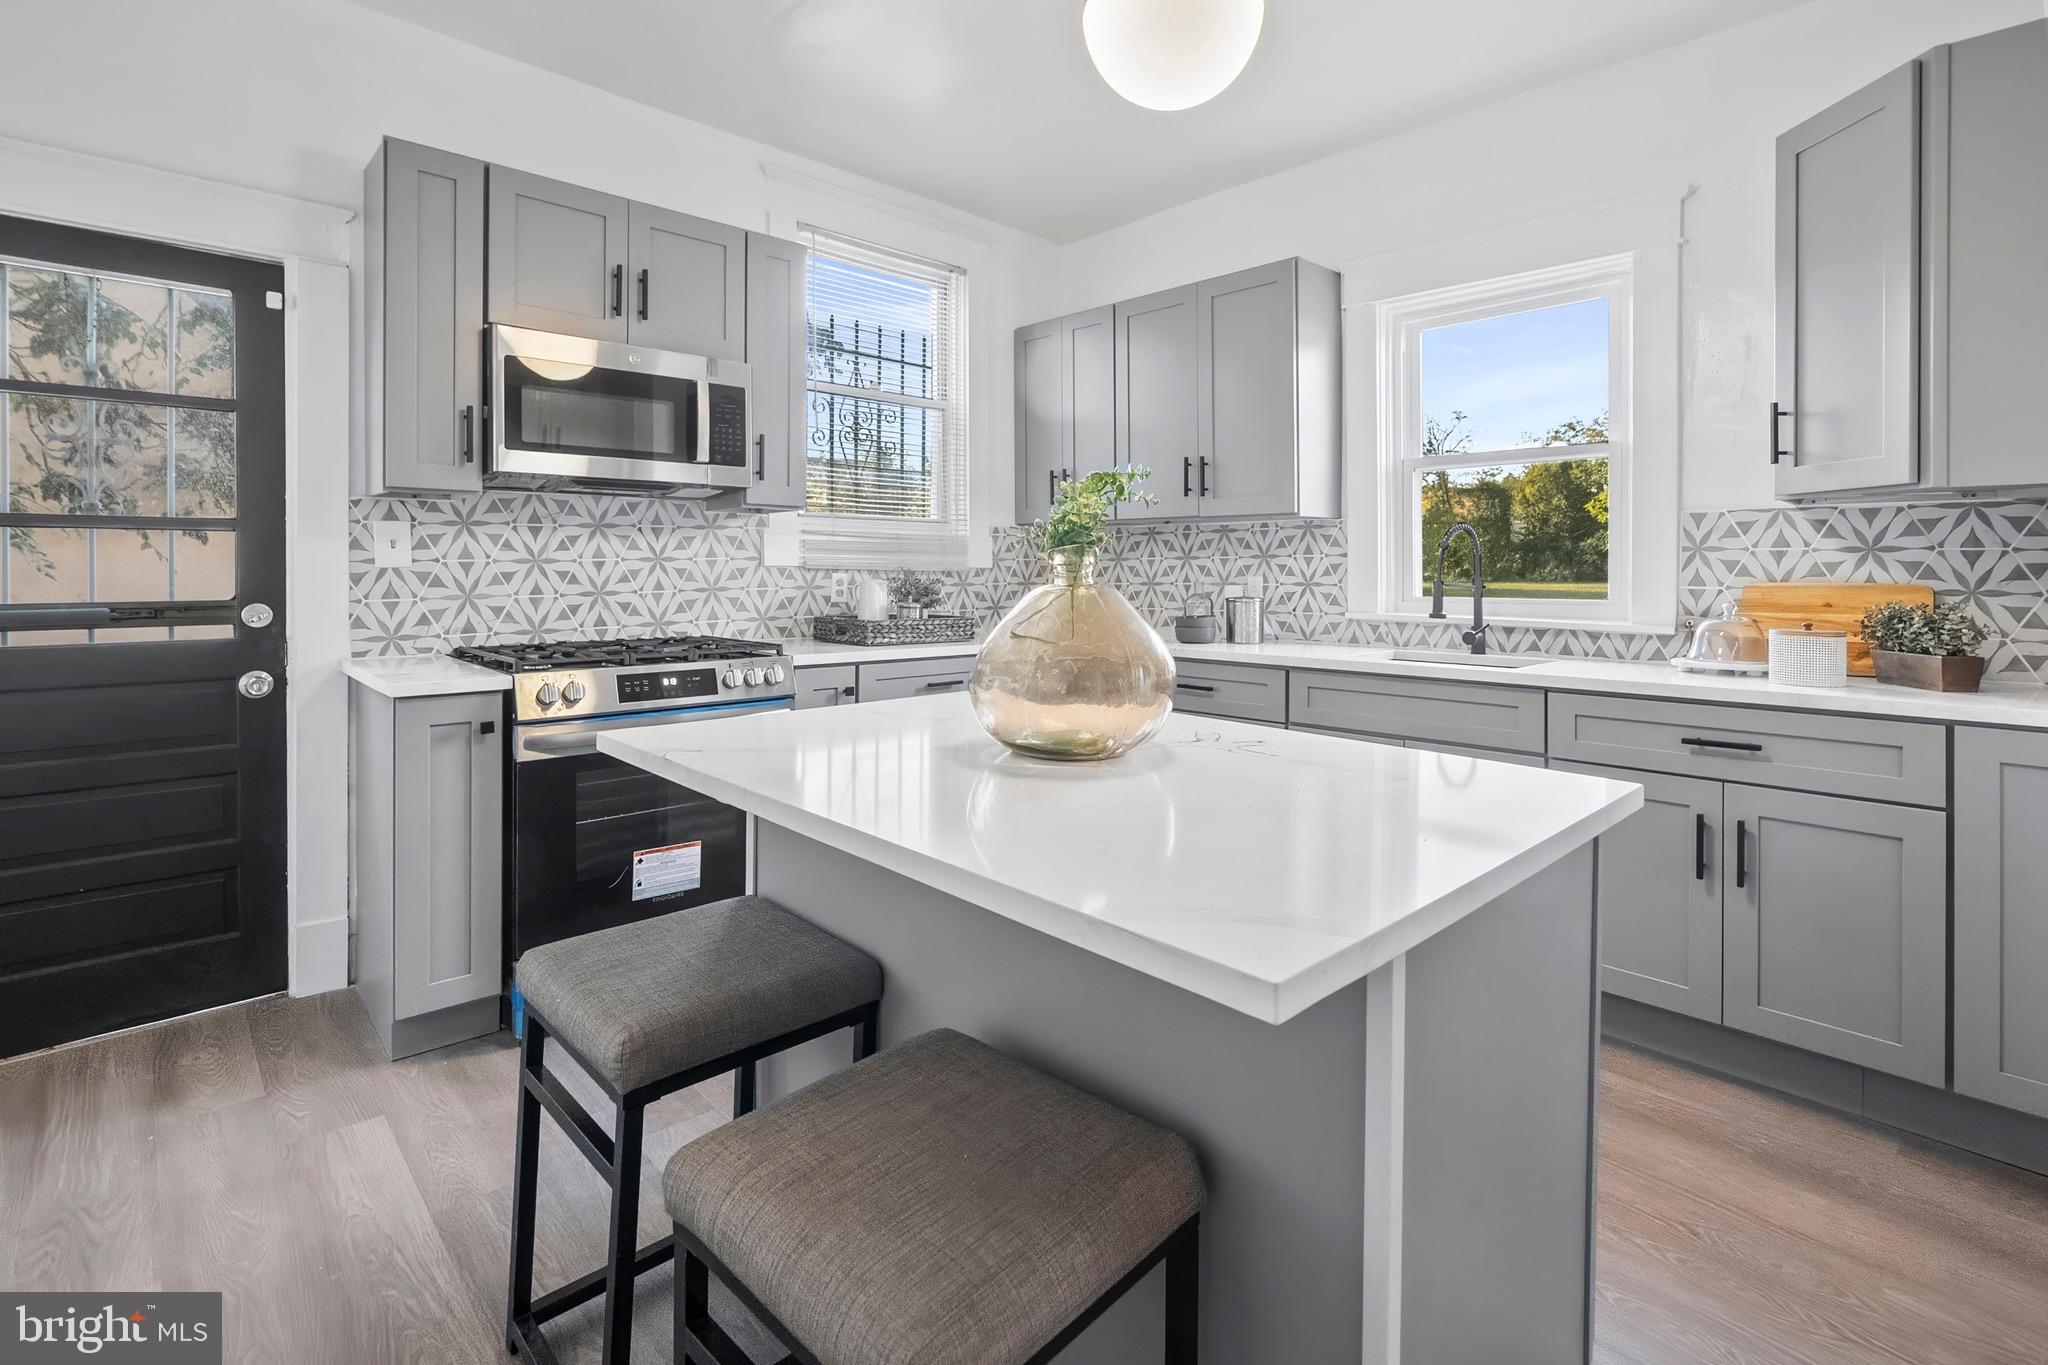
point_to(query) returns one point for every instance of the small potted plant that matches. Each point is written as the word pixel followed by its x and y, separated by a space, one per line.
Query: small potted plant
pixel 1928 647
pixel 915 594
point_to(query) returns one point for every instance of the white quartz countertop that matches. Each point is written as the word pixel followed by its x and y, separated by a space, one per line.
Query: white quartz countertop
pixel 430 675
pixel 818 654
pixel 1260 868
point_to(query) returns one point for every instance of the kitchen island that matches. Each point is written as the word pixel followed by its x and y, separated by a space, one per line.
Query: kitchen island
pixel 1359 978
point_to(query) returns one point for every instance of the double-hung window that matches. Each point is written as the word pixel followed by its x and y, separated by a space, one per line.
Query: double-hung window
pixel 886 454
pixel 1508 410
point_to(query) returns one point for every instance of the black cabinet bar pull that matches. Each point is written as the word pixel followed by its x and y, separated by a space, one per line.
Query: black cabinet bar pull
pixel 1052 485
pixel 469 433
pixel 1699 847
pixel 1741 854
pixel 618 290
pixel 760 451
pixel 845 691
pixel 944 682
pixel 1205 476
pixel 1739 745
pixel 1776 413
pixel 1192 687
pixel 1187 476
pixel 643 296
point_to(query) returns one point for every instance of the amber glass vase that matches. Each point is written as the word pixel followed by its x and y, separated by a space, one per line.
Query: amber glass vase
pixel 1072 671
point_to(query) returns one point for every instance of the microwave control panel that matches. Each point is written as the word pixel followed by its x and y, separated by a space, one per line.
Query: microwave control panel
pixel 727 443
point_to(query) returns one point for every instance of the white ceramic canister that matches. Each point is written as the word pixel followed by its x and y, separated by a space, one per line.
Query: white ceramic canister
pixel 871 602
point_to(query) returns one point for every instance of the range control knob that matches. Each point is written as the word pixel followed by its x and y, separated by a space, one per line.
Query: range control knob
pixel 546 694
pixel 753 677
pixel 574 693
pixel 731 677
pixel 775 675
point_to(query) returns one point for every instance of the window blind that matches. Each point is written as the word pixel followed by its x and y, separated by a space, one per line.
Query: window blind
pixel 886 370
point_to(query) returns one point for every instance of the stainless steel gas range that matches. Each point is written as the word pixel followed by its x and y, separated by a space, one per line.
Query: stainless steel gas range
pixel 592 842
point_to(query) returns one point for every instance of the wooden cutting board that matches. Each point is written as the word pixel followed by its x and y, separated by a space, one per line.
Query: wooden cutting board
pixel 1828 606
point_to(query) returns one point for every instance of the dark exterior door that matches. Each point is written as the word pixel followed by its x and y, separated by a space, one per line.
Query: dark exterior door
pixel 142 785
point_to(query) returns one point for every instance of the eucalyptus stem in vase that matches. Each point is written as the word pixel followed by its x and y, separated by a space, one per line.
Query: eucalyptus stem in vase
pixel 1072 671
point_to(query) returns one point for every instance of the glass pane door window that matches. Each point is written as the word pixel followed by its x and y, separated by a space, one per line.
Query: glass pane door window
pixel 117 448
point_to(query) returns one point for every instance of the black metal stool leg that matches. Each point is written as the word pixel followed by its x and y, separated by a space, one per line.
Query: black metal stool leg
pixel 623 1247
pixel 525 1186
pixel 1183 1294
pixel 746 1083
pixel 867 1033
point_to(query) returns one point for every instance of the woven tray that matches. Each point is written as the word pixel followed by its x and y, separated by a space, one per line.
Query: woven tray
pixel 928 630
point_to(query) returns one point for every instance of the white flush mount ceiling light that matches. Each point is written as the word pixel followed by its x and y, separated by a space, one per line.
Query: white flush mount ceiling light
pixel 1171 54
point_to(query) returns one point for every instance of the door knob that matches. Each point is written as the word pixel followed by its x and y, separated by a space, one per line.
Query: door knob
pixel 255 683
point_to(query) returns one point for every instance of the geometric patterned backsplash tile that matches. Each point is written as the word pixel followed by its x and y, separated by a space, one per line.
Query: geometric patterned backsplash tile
pixel 528 566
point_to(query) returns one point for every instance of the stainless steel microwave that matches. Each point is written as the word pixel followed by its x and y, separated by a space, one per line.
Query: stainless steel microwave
pixel 568 412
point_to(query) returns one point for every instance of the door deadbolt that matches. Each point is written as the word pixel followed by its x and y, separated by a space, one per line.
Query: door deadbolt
pixel 258 615
pixel 255 683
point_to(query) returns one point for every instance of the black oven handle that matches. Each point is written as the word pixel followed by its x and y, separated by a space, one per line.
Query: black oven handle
pixel 537 741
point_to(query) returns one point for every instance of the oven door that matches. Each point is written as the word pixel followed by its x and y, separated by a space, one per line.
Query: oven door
pixel 568 409
pixel 597 842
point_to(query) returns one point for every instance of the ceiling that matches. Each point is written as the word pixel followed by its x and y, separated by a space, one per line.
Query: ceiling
pixel 992 106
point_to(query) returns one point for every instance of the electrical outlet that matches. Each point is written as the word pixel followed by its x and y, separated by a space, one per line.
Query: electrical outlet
pixel 392 540
pixel 842 587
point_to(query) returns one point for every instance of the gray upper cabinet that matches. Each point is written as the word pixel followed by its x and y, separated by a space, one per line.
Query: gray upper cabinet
pixel 1660 894
pixel 775 354
pixel 1836 928
pixel 423 225
pixel 687 283
pixel 1987 276
pixel 1848 230
pixel 557 257
pixel 2001 926
pixel 1255 355
pixel 1038 417
pixel 1155 399
pixel 1087 392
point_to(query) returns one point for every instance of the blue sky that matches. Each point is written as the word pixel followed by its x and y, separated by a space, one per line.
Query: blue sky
pixel 1520 374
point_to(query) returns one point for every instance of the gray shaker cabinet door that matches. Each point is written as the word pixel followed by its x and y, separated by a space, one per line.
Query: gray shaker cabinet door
pixel 1660 894
pixel 558 257
pixel 428 209
pixel 1087 392
pixel 1836 923
pixel 775 364
pixel 447 911
pixel 1848 229
pixel 1988 275
pixel 1038 418
pixel 2001 924
pixel 827 685
pixel 1155 399
pixel 1245 341
pixel 686 286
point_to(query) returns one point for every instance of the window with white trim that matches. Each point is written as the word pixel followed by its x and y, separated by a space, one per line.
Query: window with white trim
pixel 886 451
pixel 1506 405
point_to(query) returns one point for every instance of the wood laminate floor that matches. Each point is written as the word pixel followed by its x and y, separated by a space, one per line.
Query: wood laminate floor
pixel 354 1210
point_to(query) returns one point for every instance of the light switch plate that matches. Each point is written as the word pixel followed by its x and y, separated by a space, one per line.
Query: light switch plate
pixel 392 542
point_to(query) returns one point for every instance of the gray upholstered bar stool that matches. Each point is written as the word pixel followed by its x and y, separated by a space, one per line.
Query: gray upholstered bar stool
pixel 938 1203
pixel 648 1009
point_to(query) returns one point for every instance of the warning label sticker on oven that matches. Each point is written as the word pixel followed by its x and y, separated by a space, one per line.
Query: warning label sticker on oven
pixel 665 871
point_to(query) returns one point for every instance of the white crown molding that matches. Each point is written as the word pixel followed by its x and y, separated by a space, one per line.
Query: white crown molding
pixel 85 190
pixel 905 207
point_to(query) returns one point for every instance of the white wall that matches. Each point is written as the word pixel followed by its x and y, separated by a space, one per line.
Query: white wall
pixel 1706 114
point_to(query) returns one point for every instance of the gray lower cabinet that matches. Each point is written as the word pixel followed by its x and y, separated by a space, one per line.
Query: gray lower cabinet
pixel 557 256
pixel 2001 918
pixel 1835 923
pixel 827 685
pixel 1236 691
pixel 423 285
pixel 687 285
pixel 1155 400
pixel 1419 710
pixel 1660 894
pixel 914 678
pixel 1037 397
pixel 428 777
pixel 775 351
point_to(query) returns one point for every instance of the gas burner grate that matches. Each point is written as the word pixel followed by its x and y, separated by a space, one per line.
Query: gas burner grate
pixel 540 656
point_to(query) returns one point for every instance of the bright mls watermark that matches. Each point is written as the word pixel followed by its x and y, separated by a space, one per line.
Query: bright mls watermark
pixel 164 1328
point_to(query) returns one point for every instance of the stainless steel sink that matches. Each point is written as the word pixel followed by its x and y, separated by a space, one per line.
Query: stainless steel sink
pixel 1460 657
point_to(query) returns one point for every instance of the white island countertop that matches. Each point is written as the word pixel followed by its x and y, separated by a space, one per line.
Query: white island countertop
pixel 1259 868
